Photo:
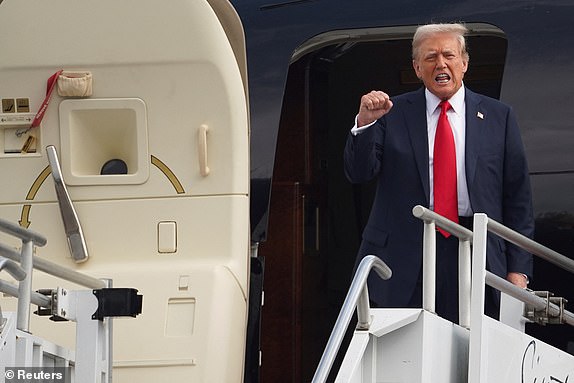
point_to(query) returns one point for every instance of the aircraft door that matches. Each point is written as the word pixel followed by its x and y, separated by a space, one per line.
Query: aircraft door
pixel 149 121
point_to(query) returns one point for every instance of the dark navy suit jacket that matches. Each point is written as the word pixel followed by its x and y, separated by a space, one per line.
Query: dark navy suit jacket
pixel 395 150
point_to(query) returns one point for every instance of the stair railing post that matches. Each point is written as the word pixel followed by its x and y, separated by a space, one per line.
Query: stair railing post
pixel 429 266
pixel 464 282
pixel 25 286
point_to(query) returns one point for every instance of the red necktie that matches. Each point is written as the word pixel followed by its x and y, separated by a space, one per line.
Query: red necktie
pixel 444 169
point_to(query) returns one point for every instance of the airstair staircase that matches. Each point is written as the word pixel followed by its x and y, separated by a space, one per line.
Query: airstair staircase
pixel 417 346
pixel 27 357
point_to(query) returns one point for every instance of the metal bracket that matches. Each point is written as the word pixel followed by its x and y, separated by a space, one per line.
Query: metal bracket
pixel 111 302
pixel 544 316
pixel 48 311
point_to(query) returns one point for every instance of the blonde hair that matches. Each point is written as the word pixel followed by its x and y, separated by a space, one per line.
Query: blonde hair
pixel 425 31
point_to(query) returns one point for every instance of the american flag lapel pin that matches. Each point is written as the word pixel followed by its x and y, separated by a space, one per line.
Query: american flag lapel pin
pixel 480 115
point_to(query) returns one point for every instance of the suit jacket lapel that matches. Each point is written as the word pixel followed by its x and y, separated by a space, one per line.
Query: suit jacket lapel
pixel 416 123
pixel 475 119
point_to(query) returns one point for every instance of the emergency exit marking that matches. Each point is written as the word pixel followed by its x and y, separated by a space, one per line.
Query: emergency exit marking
pixel 23 105
pixel 8 105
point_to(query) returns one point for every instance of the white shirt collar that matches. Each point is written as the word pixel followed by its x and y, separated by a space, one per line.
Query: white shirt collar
pixel 456 101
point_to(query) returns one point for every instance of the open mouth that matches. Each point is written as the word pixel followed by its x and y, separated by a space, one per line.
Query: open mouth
pixel 442 78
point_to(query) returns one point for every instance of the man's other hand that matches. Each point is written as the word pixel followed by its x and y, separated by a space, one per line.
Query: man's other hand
pixel 517 279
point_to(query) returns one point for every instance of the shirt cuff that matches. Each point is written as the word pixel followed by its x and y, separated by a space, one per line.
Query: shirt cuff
pixel 356 130
pixel 526 277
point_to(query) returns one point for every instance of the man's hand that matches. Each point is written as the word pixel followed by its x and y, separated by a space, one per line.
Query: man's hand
pixel 517 279
pixel 374 105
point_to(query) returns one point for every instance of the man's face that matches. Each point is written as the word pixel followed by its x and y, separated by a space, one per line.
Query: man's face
pixel 440 65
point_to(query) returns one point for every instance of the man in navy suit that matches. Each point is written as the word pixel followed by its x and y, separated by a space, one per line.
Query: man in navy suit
pixel 393 140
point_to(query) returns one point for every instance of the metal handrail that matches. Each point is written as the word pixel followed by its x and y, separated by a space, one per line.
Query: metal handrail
pixel 524 295
pixel 28 262
pixel 504 232
pixel 358 297
pixel 55 269
pixel 12 268
pixel 536 249
pixel 482 225
pixel 29 239
pixel 430 218
pixel 531 246
pixel 455 229
pixel 22 233
pixel 528 297
pixel 35 298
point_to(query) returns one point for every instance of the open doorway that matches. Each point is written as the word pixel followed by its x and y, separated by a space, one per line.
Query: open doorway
pixel 316 216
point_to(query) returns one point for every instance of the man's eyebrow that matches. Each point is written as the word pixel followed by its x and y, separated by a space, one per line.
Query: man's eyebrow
pixel 434 52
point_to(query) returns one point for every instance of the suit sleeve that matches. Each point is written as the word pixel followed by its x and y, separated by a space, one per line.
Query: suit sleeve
pixel 363 153
pixel 517 197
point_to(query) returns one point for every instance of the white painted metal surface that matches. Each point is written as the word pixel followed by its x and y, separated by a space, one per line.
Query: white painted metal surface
pixel 464 236
pixel 499 352
pixel 415 345
pixel 509 355
pixel 93 337
pixel 407 345
pixel 19 348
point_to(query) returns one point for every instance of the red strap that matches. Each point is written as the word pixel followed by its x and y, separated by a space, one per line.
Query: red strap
pixel 50 87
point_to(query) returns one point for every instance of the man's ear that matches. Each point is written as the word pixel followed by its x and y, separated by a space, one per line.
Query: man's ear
pixel 417 69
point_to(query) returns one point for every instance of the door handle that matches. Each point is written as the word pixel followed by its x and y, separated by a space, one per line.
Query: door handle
pixel 203 166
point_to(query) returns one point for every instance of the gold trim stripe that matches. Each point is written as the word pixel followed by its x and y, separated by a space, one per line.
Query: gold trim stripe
pixel 169 174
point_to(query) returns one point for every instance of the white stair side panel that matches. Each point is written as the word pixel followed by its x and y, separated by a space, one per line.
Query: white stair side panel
pixel 511 356
pixel 417 347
